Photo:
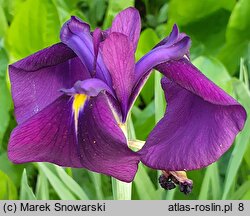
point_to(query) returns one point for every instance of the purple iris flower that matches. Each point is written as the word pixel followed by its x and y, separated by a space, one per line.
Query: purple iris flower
pixel 72 101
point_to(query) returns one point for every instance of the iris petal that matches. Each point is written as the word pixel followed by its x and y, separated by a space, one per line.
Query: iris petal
pixel 91 87
pixel 118 55
pixel 159 55
pixel 97 39
pixel 156 56
pixel 171 39
pixel 36 80
pixel 200 123
pixel 48 136
pixel 128 22
pixel 76 34
pixel 99 144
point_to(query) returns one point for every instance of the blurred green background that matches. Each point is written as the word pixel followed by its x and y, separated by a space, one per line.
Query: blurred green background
pixel 220 33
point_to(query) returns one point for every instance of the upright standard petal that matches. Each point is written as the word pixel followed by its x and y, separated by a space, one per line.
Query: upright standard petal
pixel 97 143
pixel 128 22
pixel 37 79
pixel 200 123
pixel 118 55
pixel 76 35
pixel 97 39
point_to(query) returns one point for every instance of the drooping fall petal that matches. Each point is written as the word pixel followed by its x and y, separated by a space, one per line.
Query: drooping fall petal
pixel 97 143
pixel 37 79
pixel 200 123
pixel 105 148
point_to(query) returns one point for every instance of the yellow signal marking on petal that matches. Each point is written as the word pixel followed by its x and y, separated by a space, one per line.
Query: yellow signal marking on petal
pixel 78 103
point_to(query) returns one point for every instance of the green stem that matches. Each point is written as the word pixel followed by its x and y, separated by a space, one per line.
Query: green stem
pixel 122 190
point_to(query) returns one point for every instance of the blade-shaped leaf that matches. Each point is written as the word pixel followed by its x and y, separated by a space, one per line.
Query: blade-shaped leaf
pixel 26 192
pixel 96 178
pixel 237 36
pixel 35 26
pixel 113 8
pixel 242 140
pixel 42 187
pixel 60 188
pixel 144 186
pixel 71 183
pixel 8 189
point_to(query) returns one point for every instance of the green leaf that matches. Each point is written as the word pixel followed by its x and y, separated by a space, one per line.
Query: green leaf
pixel 26 192
pixel 7 188
pixel 244 73
pixel 3 21
pixel 170 194
pixel 3 63
pixel 96 11
pixel 14 171
pixel 5 99
pixel 241 142
pixel 210 188
pixel 246 196
pixel 10 8
pixel 145 121
pixel 96 179
pixel 144 186
pixel 247 153
pixel 35 26
pixel 211 39
pixel 183 12
pixel 205 187
pixel 115 7
pixel 71 183
pixel 60 188
pixel 215 181
pixel 237 36
pixel 242 190
pixel 215 71
pixel 191 17
pixel 163 14
pixel 148 39
pixel 67 8
pixel 42 187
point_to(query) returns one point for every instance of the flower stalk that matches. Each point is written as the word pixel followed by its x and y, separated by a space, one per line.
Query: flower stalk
pixel 122 190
